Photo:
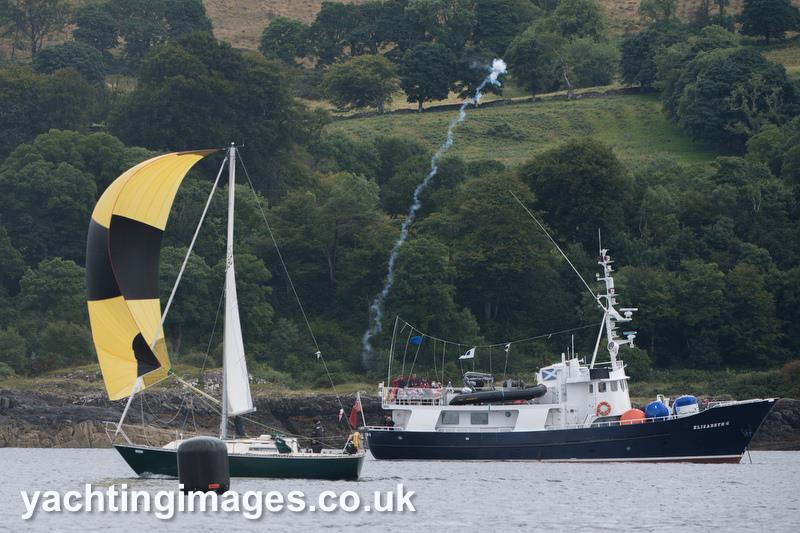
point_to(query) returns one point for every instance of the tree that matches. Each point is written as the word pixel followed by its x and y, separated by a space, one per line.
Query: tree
pixel 769 18
pixel 591 63
pixel 184 17
pixel 195 303
pixel 316 229
pixel 655 10
pixel 284 39
pixel 34 20
pixel 497 22
pixel 393 152
pixel 362 81
pixel 168 108
pixel 51 186
pixel 504 270
pixel 96 26
pixel 790 165
pixel 534 61
pixel 582 186
pixel 651 290
pixel 55 289
pixel 787 301
pixel 727 95
pixel 701 307
pixel 351 201
pixel 46 208
pixel 60 344
pixel 35 103
pixel 752 335
pixel 338 152
pixel 702 15
pixel 146 23
pixel 449 23
pixel 425 73
pixel 75 55
pixel 758 205
pixel 139 24
pixel 423 291
pixel 342 28
pixel 13 350
pixel 671 61
pixel 100 155
pixel 767 146
pixel 637 64
pixel 577 18
pixel 12 266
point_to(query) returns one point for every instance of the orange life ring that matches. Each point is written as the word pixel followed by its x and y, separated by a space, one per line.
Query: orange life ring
pixel 603 409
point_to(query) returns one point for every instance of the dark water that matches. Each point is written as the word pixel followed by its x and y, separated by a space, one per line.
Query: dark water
pixel 456 496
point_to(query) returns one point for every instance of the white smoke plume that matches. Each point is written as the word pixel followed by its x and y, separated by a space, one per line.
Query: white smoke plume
pixel 376 309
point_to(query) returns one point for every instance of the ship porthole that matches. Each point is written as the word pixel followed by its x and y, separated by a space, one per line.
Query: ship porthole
pixel 627 448
pixel 399 438
pixel 466 438
pixel 508 414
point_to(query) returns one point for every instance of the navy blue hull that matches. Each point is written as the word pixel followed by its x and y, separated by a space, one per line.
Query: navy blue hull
pixel 719 434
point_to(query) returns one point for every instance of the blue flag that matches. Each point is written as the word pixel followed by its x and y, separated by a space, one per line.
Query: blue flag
pixel 416 340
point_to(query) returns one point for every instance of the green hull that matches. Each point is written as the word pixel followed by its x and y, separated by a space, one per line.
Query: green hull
pixel 147 460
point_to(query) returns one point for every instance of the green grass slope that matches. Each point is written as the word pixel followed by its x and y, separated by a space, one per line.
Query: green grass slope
pixel 634 125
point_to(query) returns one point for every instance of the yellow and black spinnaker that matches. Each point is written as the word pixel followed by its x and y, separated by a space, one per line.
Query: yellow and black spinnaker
pixel 122 254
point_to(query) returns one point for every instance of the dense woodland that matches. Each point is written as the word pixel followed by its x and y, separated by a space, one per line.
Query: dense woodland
pixel 710 253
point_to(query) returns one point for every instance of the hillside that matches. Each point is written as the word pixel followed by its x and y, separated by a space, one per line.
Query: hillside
pixel 632 124
pixel 241 22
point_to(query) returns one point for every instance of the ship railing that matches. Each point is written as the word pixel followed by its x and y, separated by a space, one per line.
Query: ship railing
pixel 413 396
pixel 475 429
pixel 615 423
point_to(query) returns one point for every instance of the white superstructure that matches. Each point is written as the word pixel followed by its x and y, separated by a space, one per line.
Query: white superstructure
pixel 577 394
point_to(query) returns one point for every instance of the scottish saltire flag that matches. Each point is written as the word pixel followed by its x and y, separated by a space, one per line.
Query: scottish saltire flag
pixel 416 340
pixel 469 355
pixel 549 374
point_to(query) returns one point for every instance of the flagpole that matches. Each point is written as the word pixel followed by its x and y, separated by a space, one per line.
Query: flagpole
pixel 363 418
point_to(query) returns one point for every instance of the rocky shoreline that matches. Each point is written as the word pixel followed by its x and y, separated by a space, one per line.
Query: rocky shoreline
pixel 46 419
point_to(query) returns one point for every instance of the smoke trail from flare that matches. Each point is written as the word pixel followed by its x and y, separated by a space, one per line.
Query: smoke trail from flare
pixel 376 309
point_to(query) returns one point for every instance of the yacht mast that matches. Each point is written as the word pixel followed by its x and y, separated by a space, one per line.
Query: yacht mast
pixel 223 426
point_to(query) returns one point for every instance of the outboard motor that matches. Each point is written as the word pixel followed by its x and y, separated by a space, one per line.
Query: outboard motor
pixel 203 465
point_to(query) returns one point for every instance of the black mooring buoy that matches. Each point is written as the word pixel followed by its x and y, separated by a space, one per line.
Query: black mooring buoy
pixel 203 465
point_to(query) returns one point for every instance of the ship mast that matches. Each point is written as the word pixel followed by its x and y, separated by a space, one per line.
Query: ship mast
pixel 612 316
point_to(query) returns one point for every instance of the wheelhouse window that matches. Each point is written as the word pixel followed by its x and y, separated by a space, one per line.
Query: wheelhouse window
pixel 601 387
pixel 623 385
pixel 591 388
pixel 614 386
pixel 479 419
pixel 450 418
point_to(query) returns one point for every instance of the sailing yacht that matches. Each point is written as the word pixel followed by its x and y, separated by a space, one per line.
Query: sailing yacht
pixel 122 260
